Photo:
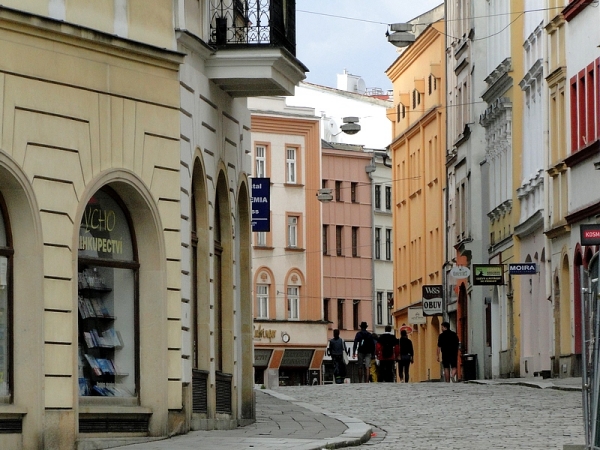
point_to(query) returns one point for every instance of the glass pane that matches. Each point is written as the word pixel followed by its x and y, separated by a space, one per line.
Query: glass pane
pixel 4 318
pixel 104 231
pixel 106 332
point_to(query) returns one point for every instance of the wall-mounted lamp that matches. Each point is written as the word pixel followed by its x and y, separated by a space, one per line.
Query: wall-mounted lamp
pixel 325 195
pixel 401 35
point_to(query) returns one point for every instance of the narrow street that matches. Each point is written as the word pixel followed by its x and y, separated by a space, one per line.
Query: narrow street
pixel 455 416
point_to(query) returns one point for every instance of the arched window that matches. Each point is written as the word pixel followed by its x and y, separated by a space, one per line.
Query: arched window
pixel 107 281
pixel 6 253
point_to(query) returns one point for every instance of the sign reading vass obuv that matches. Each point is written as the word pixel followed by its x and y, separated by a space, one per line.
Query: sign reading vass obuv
pixel 432 299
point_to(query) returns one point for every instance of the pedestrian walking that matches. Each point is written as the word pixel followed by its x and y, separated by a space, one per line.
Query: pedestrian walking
pixel 374 369
pixel 363 349
pixel 337 349
pixel 387 351
pixel 406 356
pixel 448 344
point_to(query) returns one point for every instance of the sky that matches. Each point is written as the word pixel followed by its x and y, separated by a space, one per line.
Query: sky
pixel 327 44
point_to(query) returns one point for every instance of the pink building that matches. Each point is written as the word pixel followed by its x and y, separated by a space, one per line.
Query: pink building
pixel 347 240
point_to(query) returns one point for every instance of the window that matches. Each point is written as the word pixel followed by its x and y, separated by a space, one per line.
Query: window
pixel 338 191
pixel 377 243
pixel 355 304
pixel 107 274
pixel 377 196
pixel 261 161
pixel 388 198
pixel 388 244
pixel 293 302
pixel 379 308
pixel 585 107
pixel 338 240
pixel 262 300
pixel 292 231
pixel 390 307
pixel 354 242
pixel 326 309
pixel 290 167
pixel 261 238
pixel 5 307
pixel 325 233
pixel 353 186
pixel 340 314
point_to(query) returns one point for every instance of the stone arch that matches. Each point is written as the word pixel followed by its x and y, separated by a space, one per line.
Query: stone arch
pixel 152 288
pixel 28 293
pixel 565 307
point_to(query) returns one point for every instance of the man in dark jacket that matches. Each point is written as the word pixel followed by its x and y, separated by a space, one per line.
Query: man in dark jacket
pixel 448 344
pixel 364 343
pixel 387 351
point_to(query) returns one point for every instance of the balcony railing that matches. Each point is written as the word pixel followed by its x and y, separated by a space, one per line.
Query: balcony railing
pixel 253 23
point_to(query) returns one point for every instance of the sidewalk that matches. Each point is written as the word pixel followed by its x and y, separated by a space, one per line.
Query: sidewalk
pixel 282 422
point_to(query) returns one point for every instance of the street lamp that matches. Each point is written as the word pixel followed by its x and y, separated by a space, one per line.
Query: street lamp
pixel 401 34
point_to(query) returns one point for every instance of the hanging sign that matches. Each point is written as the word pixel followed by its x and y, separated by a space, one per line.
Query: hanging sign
pixel 460 272
pixel 432 299
pixel 416 317
pixel 488 274
pixel 261 204
pixel 522 269
pixel 590 234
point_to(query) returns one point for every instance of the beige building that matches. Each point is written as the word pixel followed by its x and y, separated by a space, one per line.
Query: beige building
pixel 125 312
pixel 290 335
pixel 418 174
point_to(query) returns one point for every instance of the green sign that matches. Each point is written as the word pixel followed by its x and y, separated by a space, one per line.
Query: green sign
pixel 488 274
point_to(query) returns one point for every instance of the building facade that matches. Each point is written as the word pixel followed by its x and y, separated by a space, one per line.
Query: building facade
pixel 290 335
pixel 419 181
pixel 122 123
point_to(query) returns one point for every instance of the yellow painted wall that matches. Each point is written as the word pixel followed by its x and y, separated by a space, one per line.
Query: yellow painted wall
pixel 418 160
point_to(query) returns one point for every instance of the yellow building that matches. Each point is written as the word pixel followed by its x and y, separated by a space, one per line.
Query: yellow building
pixel 418 177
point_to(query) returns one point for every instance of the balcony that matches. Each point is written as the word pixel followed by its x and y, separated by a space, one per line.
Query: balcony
pixel 255 43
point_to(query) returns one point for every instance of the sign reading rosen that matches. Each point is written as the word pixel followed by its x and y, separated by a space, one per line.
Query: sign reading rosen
pixel 432 299
pixel 590 234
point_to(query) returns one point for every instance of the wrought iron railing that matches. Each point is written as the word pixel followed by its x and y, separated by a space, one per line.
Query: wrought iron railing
pixel 250 23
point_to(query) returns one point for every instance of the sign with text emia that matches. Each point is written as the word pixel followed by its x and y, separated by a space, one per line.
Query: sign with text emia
pixel 261 204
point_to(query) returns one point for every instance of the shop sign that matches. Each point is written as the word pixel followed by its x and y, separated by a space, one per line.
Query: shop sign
pixel 488 274
pixel 262 357
pixel 296 358
pixel 432 299
pixel 261 204
pixel 522 269
pixel 260 333
pixel 416 317
pixel 460 272
pixel 590 234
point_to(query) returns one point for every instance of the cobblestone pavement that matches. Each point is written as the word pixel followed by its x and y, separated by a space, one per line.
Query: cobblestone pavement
pixel 464 416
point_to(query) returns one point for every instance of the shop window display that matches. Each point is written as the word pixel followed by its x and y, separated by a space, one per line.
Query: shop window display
pixel 107 275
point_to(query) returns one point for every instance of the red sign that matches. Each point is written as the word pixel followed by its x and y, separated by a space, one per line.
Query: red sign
pixel 590 234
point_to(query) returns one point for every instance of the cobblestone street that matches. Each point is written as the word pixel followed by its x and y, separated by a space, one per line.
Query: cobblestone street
pixel 455 416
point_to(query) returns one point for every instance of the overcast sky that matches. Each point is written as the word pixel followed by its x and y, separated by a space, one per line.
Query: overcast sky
pixel 327 44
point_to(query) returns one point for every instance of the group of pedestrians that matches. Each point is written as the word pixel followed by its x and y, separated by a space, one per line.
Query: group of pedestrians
pixel 387 351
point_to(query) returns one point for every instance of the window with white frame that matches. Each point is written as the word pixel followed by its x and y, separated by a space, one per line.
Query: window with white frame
pixel 379 308
pixel 377 196
pixel 261 238
pixel 290 165
pixel 388 198
pixel 293 294
pixel 262 300
pixel 388 244
pixel 390 307
pixel 261 161
pixel 292 231
pixel 377 243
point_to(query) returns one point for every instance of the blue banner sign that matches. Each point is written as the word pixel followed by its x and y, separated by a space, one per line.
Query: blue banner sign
pixel 261 204
pixel 522 269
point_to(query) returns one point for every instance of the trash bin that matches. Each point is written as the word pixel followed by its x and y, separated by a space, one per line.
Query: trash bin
pixel 469 366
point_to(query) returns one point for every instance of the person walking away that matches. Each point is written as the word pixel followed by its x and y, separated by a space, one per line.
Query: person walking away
pixel 363 349
pixel 448 348
pixel 374 369
pixel 337 347
pixel 387 351
pixel 406 356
